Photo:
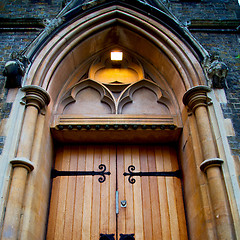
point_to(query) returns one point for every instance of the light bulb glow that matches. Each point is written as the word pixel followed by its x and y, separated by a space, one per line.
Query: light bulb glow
pixel 116 56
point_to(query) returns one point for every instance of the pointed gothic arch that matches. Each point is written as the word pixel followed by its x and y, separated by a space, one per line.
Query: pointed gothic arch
pixel 171 65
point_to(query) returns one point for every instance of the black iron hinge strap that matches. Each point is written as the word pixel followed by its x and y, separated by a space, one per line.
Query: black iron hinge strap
pixel 101 179
pixel 132 174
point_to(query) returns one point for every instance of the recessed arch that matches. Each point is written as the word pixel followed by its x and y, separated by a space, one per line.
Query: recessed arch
pixel 70 97
pixel 82 40
pixel 162 97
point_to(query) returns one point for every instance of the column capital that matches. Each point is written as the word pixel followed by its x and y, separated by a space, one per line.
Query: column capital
pixel 22 162
pixel 36 96
pixel 212 162
pixel 196 96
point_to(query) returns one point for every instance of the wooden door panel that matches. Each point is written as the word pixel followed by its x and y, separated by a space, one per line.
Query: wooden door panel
pixel 82 208
pixel 156 204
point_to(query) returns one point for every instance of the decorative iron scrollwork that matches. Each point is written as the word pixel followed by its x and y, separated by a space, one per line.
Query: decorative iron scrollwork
pixel 127 237
pixel 101 179
pixel 131 174
pixel 106 237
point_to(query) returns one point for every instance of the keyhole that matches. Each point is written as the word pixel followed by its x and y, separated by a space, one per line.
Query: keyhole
pixel 123 203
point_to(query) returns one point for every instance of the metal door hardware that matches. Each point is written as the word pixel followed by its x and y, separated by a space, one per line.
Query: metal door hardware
pixel 127 237
pixel 106 237
pixel 56 173
pixel 123 203
pixel 131 174
pixel 117 199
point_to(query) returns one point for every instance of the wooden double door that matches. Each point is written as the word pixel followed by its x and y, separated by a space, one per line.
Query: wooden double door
pixel 83 208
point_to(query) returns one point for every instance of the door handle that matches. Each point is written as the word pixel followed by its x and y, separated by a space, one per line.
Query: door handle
pixel 117 199
pixel 123 203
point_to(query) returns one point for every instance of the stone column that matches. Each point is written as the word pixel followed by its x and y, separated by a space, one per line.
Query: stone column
pixel 197 101
pixel 36 99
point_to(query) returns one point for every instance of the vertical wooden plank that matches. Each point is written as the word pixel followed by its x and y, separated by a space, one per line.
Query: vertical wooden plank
pixel 137 193
pixel 112 190
pixel 147 216
pixel 162 191
pixel 95 221
pixel 128 193
pixel 121 218
pixel 70 199
pixel 104 204
pixel 174 226
pixel 87 204
pixel 155 207
pixel 78 206
pixel 179 197
pixel 54 197
pixel 61 211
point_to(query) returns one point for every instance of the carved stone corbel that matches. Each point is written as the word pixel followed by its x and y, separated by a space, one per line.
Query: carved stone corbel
pixel 217 72
pixel 51 24
pixel 14 70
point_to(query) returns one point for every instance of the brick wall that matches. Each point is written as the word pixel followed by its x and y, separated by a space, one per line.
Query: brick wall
pixel 30 8
pixel 204 9
pixel 227 44
pixel 11 41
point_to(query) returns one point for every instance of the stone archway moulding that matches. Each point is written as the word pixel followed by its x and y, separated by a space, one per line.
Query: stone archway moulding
pixel 164 44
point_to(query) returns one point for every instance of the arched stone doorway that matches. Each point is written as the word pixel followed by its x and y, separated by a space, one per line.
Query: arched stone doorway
pixel 165 66
pixel 116 105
